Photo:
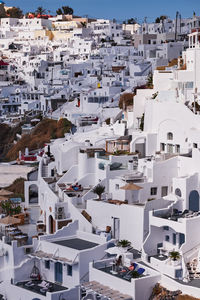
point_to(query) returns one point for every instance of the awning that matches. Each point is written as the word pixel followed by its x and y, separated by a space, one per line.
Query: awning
pixel 49 256
pixel 131 187
pixel 10 221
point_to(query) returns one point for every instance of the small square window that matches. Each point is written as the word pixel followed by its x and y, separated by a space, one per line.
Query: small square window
pixel 154 191
pixel 47 264
pixel 167 238
pixel 195 145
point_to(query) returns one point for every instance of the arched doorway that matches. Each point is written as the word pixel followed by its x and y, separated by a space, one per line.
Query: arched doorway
pixel 50 224
pixel 178 192
pixel 33 194
pixel 194 201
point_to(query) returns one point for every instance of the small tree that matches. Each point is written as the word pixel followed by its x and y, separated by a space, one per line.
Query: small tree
pixel 59 11
pixel 40 10
pixel 15 12
pixel 135 274
pixel 99 190
pixel 7 207
pixel 131 21
pixel 160 19
pixel 174 255
pixel 67 10
pixel 124 243
pixel 157 20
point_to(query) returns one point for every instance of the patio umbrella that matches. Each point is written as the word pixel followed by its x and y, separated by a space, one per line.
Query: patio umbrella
pixel 131 187
pixel 10 221
pixel 5 192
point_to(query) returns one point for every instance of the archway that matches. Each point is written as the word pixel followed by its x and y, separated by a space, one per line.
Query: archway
pixel 178 192
pixel 50 224
pixel 33 194
pixel 194 201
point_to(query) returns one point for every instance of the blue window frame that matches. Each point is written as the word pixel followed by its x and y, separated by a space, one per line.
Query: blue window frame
pixel 174 238
pixel 181 238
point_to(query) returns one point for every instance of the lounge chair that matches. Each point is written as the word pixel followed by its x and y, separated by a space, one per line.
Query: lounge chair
pixel 43 290
pixel 126 271
pixel 29 283
pixel 43 284
pixel 129 275
pixel 135 266
pixel 140 271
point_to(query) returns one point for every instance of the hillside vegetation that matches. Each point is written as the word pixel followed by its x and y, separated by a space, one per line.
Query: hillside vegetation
pixel 46 130
pixel 17 187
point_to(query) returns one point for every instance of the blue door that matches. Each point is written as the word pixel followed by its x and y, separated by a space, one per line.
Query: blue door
pixel 194 201
pixel 181 239
pixel 58 272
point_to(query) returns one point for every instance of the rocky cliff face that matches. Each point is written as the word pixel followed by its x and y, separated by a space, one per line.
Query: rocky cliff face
pixel 46 130
pixel 161 293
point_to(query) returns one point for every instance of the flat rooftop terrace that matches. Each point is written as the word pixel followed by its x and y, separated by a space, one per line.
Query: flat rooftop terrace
pixel 76 243
pixel 36 286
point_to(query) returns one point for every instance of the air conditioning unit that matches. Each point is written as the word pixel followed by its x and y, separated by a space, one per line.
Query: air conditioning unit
pixel 60 216
pixel 60 210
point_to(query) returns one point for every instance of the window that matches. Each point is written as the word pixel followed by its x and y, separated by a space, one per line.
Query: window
pixel 154 191
pixel 174 238
pixel 178 273
pixel 177 148
pixel 170 136
pixel 117 186
pixel 162 147
pixel 101 166
pixel 169 148
pixel 189 85
pixel 47 264
pixel 181 239
pixel 178 192
pixel 165 227
pixel 164 191
pixel 69 270
pixel 167 238
pixel 195 145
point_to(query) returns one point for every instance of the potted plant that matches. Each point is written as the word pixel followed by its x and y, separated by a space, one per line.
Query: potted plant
pixel 135 274
pixel 124 244
pixel 99 190
pixel 175 257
